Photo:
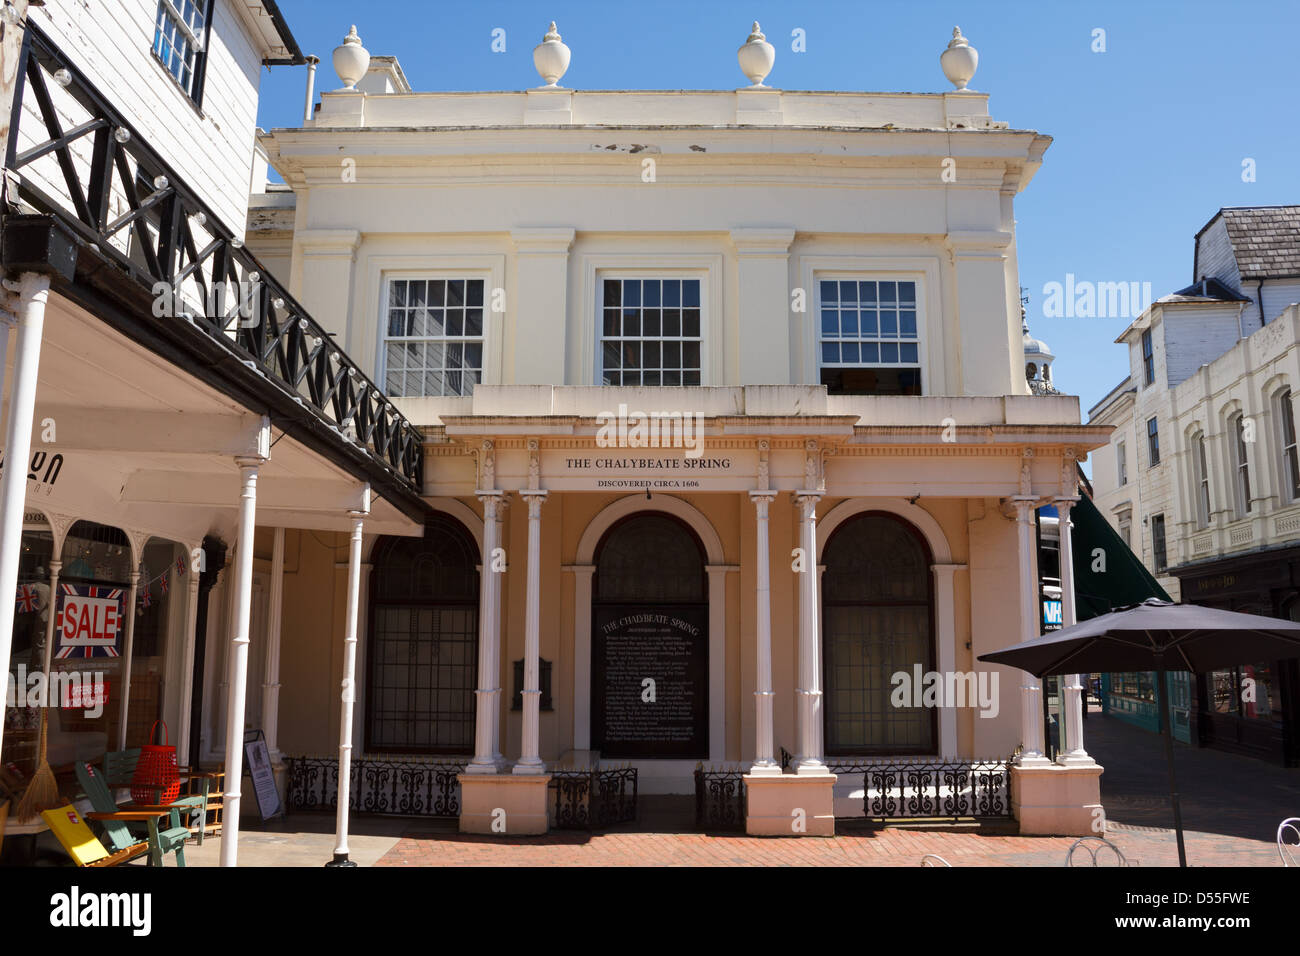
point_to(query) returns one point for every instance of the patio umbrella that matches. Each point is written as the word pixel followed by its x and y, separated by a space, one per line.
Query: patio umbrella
pixel 1157 636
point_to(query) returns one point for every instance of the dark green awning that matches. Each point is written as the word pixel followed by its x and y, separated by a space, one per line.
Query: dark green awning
pixel 1115 577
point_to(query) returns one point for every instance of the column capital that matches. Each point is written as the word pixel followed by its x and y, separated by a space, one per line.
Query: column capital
pixel 1019 507
pixel 483 494
pixel 816 494
pixel 539 493
pixel 765 495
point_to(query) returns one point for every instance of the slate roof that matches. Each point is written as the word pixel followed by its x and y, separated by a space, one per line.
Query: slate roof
pixel 1207 290
pixel 1265 240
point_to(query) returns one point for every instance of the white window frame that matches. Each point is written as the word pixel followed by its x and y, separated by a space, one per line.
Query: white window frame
pixel 386 280
pixel 815 308
pixel 1201 476
pixel 623 275
pixel 1121 463
pixel 1240 464
pixel 1156 435
pixel 197 44
pixel 1284 399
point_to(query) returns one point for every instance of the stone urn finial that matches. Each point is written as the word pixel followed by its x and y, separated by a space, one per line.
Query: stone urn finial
pixel 351 60
pixel 959 60
pixel 756 57
pixel 551 57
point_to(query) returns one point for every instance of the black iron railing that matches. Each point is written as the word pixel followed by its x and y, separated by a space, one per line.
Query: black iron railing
pixel 719 798
pixel 420 788
pixel 918 788
pixel 593 799
pixel 81 161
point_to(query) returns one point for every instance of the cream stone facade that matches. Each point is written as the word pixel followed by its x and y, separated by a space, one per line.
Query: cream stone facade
pixel 768 205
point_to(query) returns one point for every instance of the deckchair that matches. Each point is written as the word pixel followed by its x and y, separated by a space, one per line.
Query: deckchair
pixel 161 839
pixel 84 847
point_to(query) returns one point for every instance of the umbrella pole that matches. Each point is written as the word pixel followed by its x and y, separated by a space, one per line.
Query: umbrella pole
pixel 1166 729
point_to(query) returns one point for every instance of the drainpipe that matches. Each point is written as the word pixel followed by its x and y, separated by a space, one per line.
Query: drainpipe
pixel 1259 300
pixel 311 84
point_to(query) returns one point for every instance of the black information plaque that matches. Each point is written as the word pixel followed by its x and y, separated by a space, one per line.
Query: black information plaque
pixel 650 680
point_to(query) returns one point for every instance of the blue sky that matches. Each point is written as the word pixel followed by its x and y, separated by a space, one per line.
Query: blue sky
pixel 1150 135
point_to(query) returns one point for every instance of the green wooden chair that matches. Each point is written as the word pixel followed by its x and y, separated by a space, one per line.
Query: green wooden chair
pixel 162 839
pixel 119 768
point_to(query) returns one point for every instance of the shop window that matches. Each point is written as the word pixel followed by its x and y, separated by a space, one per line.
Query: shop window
pixel 1241 465
pixel 433 342
pixel 423 650
pixel 180 41
pixel 869 337
pixel 878 615
pixel 651 332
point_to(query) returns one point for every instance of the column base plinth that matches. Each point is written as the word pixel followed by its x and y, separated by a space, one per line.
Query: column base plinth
pixel 1056 800
pixel 790 804
pixel 503 804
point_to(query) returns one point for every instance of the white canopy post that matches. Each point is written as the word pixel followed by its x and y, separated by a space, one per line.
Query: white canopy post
pixel 238 666
pixel 349 681
pixel 33 290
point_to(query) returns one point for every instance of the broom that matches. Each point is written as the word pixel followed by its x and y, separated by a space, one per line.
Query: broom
pixel 43 792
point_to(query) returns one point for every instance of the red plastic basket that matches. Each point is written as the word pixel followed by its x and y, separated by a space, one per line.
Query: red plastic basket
pixel 156 779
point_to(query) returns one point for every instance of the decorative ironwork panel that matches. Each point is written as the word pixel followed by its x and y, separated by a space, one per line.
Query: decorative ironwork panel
pixel 593 799
pixel 78 158
pixel 388 787
pixel 719 798
pixel 916 789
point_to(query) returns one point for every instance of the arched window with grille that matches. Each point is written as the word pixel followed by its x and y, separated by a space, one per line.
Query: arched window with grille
pixel 878 621
pixel 423 650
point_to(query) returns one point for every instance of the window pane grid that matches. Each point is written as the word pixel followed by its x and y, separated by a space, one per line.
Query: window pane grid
pixel 434 337
pixel 178 25
pixel 651 332
pixel 868 323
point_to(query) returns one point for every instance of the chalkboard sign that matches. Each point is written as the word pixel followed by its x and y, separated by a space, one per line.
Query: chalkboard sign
pixel 650 681
pixel 257 764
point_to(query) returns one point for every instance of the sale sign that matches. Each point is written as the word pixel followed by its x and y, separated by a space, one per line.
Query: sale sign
pixel 89 621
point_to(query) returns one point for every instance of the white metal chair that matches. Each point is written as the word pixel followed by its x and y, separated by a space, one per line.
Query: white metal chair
pixel 1094 845
pixel 930 858
pixel 1288 850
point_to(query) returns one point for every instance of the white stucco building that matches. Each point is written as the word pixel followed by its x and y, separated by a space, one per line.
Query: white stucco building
pixel 1201 474
pixel 825 285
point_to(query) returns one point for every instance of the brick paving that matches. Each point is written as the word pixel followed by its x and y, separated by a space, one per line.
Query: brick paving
pixel 1231 808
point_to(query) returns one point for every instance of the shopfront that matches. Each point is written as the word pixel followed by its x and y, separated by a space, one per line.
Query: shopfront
pixel 1252 708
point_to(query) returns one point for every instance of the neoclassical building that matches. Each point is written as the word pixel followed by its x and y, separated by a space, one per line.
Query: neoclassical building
pixel 726 426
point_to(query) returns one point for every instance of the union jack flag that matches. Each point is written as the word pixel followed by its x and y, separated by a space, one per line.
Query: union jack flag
pixel 146 598
pixel 28 598
pixel 180 567
pixel 82 649
pixel 163 581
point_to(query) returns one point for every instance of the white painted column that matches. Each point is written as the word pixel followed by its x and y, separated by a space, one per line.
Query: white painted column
pixel 764 747
pixel 1077 755
pixel 530 760
pixel 808 714
pixel 349 689
pixel 486 749
pixel 717 581
pixel 128 654
pixel 186 690
pixel 33 291
pixel 237 669
pixel 48 655
pixel 1031 700
pixel 945 629
pixel 271 677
